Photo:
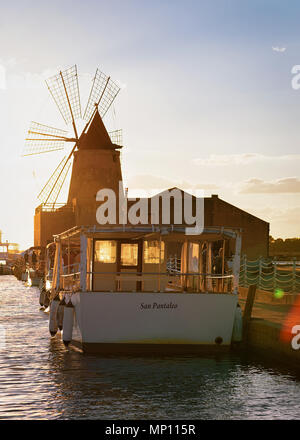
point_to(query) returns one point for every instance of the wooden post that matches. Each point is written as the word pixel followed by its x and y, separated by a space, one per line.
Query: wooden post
pixel 259 272
pixel 83 255
pixel 56 270
pixel 209 266
pixel 58 266
pixel 199 267
pixel 248 310
pixel 223 264
pixel 274 274
pixel 183 265
pixel 294 275
pixel 187 264
pixel 69 256
pixel 204 278
pixel 159 265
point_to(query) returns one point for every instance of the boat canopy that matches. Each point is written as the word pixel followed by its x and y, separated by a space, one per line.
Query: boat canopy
pixel 135 232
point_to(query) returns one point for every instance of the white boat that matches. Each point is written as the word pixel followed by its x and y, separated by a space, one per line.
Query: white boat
pixel 129 296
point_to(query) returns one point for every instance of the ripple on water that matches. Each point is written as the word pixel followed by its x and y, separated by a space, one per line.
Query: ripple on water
pixel 40 379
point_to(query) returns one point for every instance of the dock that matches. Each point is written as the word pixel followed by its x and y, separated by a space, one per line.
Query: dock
pixel 269 328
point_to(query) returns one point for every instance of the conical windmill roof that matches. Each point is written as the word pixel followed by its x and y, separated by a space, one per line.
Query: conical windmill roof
pixel 96 137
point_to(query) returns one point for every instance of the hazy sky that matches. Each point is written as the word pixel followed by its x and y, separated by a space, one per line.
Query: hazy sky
pixel 207 99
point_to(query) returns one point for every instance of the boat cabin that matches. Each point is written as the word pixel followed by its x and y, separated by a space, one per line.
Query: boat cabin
pixel 146 259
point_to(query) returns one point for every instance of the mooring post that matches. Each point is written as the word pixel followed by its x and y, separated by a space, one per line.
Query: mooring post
pixel 274 274
pixel 260 271
pixel 294 288
pixel 248 311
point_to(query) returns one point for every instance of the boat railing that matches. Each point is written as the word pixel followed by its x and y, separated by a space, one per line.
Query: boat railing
pixel 174 265
pixel 71 269
pixel 71 281
pixel 189 282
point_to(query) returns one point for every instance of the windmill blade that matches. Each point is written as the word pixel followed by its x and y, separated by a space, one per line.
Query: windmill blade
pixel 116 137
pixel 102 95
pixel 59 184
pixel 64 89
pixel 38 128
pixel 44 139
pixel 51 190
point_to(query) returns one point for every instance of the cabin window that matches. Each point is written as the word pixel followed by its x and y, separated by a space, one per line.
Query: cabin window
pixel 13 247
pixel 105 251
pixel 151 252
pixel 193 257
pixel 129 254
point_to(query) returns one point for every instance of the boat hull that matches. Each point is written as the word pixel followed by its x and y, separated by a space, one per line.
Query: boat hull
pixel 152 322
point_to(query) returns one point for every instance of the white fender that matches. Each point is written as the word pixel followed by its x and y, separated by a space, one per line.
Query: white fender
pixel 237 332
pixel 60 314
pixel 53 316
pixel 42 297
pixel 46 299
pixel 68 323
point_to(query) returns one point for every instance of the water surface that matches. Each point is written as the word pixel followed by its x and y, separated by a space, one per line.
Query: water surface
pixel 40 379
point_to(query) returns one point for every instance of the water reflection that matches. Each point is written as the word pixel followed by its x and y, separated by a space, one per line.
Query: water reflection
pixel 40 378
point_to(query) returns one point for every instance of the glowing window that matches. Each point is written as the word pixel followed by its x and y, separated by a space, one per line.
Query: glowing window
pixel 151 252
pixel 193 257
pixel 13 247
pixel 129 254
pixel 105 251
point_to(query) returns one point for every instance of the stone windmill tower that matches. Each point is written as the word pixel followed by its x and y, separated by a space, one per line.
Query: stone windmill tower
pixel 94 157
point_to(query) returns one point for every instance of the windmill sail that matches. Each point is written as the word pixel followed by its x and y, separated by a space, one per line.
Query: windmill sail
pixel 116 137
pixel 51 190
pixel 64 89
pixel 102 95
pixel 43 139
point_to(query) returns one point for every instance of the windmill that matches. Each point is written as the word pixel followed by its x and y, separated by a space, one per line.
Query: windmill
pixel 64 89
